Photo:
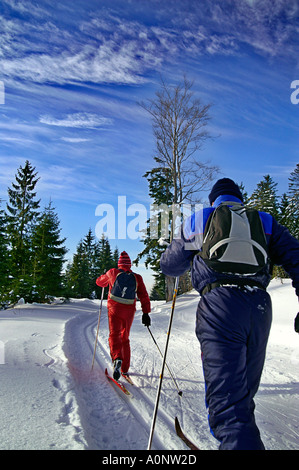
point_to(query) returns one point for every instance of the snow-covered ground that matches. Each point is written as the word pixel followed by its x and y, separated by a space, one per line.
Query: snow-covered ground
pixel 50 399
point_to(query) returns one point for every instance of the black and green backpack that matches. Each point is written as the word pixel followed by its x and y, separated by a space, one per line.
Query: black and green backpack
pixel 234 240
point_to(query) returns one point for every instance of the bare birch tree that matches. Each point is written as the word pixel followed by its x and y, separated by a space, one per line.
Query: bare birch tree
pixel 179 123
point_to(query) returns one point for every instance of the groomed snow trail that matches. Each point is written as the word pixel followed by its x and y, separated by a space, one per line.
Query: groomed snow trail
pixel 50 398
pixel 111 420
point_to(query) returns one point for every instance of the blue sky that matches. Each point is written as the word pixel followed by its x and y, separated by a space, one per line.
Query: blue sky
pixel 74 71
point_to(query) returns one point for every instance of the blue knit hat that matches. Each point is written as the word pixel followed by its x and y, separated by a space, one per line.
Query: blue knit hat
pixel 225 186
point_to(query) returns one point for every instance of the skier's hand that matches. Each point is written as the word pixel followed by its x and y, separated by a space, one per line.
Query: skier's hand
pixel 297 323
pixel 146 321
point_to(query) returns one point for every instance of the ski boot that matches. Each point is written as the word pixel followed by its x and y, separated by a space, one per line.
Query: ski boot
pixel 116 369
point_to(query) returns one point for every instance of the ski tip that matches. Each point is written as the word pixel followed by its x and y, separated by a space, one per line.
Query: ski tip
pixel 184 438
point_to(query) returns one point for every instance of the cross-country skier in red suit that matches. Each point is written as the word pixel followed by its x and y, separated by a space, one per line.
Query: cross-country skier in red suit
pixel 121 315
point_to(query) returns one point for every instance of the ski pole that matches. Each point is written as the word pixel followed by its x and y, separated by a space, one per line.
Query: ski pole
pixel 100 311
pixel 163 365
pixel 171 375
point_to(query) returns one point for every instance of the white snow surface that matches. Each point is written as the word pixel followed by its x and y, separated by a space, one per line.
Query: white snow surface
pixel 51 400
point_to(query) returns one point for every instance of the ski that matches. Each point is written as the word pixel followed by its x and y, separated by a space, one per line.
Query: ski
pixel 119 384
pixel 128 378
pixel 183 437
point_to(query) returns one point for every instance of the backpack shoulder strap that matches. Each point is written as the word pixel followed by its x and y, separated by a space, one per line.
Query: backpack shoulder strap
pixel 136 280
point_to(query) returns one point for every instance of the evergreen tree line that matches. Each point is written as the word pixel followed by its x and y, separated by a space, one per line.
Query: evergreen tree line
pixel 285 209
pixel 32 251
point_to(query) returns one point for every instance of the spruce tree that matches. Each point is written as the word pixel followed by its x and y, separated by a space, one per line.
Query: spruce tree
pixel 284 213
pixel 284 217
pixel 4 269
pixel 244 193
pixel 89 246
pixel 22 213
pixel 265 198
pixel 115 257
pixel 104 260
pixel 293 196
pixel 294 183
pixel 48 253
pixel 77 275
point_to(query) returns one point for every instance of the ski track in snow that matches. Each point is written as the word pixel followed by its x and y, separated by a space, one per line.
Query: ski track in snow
pixel 101 405
pixel 50 398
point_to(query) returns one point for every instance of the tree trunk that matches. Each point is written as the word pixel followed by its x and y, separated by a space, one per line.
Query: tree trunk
pixel 169 287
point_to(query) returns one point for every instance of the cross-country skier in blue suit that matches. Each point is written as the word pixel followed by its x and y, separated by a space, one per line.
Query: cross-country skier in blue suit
pixel 233 321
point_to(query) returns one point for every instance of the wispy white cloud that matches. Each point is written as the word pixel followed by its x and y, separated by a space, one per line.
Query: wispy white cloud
pixel 74 140
pixel 94 52
pixel 81 120
pixel 107 63
pixel 26 7
pixel 268 26
pixel 105 48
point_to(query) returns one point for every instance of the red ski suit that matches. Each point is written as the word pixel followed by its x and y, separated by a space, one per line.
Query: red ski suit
pixel 121 316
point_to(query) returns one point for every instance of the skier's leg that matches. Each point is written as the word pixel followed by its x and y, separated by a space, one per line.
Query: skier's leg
pixel 223 326
pixel 115 339
pixel 125 339
pixel 261 319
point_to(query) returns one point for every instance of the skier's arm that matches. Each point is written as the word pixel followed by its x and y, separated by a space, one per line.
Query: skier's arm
pixel 176 259
pixel 284 251
pixel 103 280
pixel 143 295
pixel 178 256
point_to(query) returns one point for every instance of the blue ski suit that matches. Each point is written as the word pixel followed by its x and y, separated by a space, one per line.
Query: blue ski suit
pixel 232 325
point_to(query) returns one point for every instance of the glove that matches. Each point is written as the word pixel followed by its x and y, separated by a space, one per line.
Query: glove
pixel 146 321
pixel 297 323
